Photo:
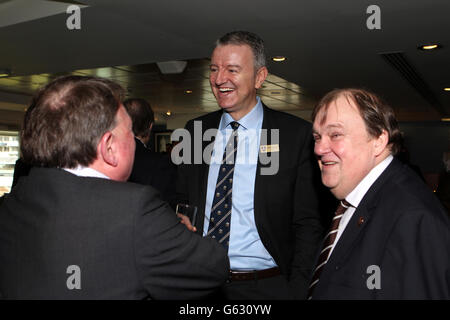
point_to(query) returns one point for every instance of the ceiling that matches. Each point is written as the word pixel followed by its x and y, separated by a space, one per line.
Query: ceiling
pixel 326 42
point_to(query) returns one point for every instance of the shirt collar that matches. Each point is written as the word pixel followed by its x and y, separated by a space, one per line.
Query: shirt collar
pixel 355 197
pixel 86 172
pixel 139 139
pixel 249 121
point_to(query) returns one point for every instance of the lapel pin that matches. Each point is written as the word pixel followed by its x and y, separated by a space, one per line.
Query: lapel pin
pixel 360 221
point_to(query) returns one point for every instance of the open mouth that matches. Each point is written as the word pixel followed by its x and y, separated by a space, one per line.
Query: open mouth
pixel 328 163
pixel 226 90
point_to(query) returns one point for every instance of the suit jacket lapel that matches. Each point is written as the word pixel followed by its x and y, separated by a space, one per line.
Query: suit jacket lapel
pixel 259 209
pixel 349 237
pixel 211 123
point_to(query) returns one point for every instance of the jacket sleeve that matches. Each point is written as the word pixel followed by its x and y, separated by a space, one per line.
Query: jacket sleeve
pixel 172 262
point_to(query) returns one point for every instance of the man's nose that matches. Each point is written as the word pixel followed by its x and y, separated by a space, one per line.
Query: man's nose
pixel 321 146
pixel 220 78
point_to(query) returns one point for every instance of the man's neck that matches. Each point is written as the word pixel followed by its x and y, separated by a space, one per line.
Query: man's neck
pixel 239 114
pixel 356 195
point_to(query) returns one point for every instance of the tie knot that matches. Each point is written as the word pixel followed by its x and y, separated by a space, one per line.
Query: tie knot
pixel 234 125
pixel 343 205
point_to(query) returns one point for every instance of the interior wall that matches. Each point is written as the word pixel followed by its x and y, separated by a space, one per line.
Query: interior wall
pixel 426 143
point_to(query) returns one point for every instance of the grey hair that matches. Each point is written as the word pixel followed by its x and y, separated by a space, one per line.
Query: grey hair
pixel 246 38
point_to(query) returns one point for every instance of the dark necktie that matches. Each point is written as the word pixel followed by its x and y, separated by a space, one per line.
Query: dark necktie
pixel 220 219
pixel 327 245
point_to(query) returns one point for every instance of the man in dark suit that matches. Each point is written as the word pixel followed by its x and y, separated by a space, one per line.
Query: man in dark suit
pixel 150 168
pixel 74 229
pixel 267 215
pixel 391 237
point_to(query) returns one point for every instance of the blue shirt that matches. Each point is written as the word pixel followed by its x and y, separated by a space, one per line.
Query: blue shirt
pixel 246 251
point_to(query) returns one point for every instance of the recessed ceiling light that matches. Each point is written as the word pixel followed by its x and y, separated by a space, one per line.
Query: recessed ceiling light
pixel 188 91
pixel 447 89
pixel 431 46
pixel 445 119
pixel 279 58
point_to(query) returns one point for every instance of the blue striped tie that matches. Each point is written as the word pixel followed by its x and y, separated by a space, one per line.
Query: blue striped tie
pixel 220 220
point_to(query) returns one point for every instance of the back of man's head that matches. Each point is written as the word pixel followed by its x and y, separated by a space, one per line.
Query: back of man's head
pixel 66 120
pixel 141 115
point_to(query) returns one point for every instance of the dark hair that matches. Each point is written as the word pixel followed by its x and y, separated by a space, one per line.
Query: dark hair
pixel 141 115
pixel 377 114
pixel 246 38
pixel 66 120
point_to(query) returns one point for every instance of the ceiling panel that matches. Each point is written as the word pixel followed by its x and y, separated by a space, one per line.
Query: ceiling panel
pixel 327 43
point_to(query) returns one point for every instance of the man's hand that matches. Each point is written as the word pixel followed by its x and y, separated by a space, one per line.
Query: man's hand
pixel 185 220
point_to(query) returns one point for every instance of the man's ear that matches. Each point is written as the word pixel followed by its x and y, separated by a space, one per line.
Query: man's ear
pixel 261 76
pixel 107 149
pixel 380 143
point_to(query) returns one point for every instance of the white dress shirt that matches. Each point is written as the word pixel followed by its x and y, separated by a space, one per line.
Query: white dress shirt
pixel 246 250
pixel 355 197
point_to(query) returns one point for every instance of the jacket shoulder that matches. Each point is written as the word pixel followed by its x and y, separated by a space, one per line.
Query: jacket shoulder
pixel 405 194
pixel 209 118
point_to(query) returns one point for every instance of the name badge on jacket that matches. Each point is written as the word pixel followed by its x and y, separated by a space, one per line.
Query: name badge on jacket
pixel 269 148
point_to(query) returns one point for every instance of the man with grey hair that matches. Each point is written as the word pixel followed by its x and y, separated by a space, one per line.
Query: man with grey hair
pixel 267 220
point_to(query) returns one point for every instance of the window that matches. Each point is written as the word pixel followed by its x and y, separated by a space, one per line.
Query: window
pixel 9 153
